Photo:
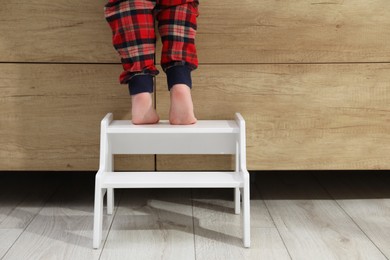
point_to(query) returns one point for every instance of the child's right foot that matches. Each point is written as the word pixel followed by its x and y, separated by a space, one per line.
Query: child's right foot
pixel 142 110
pixel 182 109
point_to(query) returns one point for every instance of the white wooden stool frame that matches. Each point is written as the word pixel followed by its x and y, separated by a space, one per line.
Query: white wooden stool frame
pixel 204 137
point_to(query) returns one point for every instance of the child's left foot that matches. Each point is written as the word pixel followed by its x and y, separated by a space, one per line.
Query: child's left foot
pixel 182 110
pixel 142 110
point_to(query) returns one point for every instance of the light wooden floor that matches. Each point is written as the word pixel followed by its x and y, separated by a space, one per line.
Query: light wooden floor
pixel 294 215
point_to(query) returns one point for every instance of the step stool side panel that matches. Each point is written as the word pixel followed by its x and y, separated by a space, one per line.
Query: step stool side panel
pixel 104 148
pixel 104 163
pixel 245 175
pixel 107 158
pixel 98 212
pixel 242 142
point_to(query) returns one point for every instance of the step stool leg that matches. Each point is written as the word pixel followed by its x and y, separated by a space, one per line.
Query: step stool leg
pixel 237 193
pixel 246 212
pixel 237 199
pixel 110 191
pixel 98 215
pixel 110 200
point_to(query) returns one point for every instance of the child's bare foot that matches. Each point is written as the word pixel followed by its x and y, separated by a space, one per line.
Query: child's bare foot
pixel 142 110
pixel 182 110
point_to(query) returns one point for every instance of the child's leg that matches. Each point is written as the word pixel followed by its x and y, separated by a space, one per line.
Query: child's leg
pixel 133 36
pixel 177 26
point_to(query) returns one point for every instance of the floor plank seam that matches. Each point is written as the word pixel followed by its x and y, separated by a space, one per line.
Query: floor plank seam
pixel 346 213
pixel 112 221
pixel 273 221
pixel 193 220
pixel 32 219
pixel 16 206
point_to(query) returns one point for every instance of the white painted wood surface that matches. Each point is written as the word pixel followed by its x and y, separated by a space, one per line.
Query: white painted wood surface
pixel 172 180
pixel 204 137
pixel 164 127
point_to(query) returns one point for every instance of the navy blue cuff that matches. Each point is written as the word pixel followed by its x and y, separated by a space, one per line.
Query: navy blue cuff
pixel 179 74
pixel 141 83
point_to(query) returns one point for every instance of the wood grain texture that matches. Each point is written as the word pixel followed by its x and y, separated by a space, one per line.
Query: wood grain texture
pixel 365 197
pixel 152 224
pixel 195 162
pixel 218 231
pixel 298 116
pixel 50 116
pixel 301 116
pixel 63 228
pixel 252 32
pixel 311 224
pixel 293 31
pixel 328 109
pixel 59 31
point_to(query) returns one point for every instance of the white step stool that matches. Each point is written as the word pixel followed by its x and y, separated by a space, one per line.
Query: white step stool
pixel 204 137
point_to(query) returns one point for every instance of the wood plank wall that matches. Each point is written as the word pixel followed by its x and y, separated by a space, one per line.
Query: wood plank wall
pixel 310 78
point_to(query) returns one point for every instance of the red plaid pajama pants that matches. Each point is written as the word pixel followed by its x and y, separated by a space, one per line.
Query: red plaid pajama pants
pixel 134 38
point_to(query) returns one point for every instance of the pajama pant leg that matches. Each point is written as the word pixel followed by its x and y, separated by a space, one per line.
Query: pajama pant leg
pixel 177 26
pixel 134 38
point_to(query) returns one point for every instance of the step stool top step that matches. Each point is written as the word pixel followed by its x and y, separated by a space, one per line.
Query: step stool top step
pixel 201 126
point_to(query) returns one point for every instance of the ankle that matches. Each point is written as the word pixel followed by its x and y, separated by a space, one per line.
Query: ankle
pixel 142 98
pixel 180 89
pixel 142 109
pixel 141 95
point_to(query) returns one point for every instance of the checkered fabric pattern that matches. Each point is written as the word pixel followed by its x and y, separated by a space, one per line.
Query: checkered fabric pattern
pixel 134 37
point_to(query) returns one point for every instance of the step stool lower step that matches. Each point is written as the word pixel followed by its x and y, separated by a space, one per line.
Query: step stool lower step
pixel 172 180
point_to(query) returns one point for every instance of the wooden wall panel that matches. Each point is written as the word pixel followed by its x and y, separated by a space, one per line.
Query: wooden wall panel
pixel 249 32
pixel 298 117
pixel 50 116
pixel 55 31
pixel 310 78
pixel 195 162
